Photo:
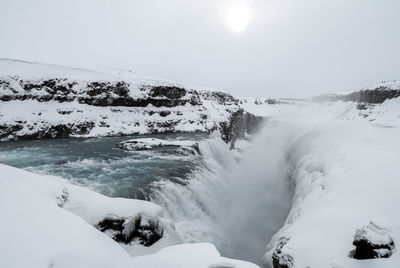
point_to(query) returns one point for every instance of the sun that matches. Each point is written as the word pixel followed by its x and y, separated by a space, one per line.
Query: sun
pixel 238 17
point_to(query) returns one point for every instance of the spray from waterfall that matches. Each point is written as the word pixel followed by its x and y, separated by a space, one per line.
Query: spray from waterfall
pixel 237 205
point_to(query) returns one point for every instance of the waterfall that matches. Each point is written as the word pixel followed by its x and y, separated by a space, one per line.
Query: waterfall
pixel 237 205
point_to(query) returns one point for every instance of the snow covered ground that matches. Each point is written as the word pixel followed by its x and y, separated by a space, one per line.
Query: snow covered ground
pixel 49 223
pixel 343 167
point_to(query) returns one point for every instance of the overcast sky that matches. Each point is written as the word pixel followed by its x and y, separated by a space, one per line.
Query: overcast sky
pixel 290 48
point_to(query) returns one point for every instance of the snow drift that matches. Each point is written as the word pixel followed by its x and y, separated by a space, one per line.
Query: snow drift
pixel 46 227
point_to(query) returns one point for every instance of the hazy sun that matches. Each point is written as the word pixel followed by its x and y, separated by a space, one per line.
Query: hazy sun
pixel 238 16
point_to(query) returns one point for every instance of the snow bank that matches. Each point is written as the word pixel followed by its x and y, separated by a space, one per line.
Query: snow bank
pixel 189 255
pixel 37 233
pixel 345 175
pixel 88 205
pixel 48 222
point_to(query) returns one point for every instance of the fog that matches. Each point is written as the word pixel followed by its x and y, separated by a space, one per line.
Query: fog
pixel 290 48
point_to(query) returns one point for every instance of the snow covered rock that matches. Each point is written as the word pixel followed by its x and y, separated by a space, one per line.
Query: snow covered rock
pixel 372 242
pixel 241 124
pixel 144 144
pixel 279 259
pixel 143 229
pixel 49 101
pixel 374 94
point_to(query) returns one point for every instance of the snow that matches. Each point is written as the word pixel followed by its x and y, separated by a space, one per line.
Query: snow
pixel 151 143
pixel 36 232
pixel 374 234
pixel 108 121
pixel 197 255
pixel 35 117
pixel 33 70
pixel 391 84
pixel 345 174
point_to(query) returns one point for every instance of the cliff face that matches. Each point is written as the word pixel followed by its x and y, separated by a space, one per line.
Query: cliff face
pixel 104 93
pixel 240 124
pixel 40 101
pixel 373 95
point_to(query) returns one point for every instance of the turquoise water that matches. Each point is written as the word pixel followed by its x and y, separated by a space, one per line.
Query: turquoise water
pixel 212 197
pixel 97 164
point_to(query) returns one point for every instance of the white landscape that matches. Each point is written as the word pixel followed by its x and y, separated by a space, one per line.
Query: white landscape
pixel 105 167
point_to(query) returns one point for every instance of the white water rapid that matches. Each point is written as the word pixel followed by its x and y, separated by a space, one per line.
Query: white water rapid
pixel 237 205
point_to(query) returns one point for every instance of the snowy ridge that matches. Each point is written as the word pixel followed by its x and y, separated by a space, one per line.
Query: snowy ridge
pixel 50 101
pixel 343 168
pixel 373 94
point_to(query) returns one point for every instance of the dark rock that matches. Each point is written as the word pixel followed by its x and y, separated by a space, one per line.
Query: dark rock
pixel 372 242
pixel 164 113
pixel 279 259
pixel 64 111
pixel 120 88
pixel 82 128
pixel 7 130
pixel 370 96
pixel 110 222
pixel 362 106
pixel 141 229
pixel 168 92
pixel 240 124
pixel 46 132
pixel 104 93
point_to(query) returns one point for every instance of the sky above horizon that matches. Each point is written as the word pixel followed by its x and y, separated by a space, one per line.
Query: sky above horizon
pixel 286 48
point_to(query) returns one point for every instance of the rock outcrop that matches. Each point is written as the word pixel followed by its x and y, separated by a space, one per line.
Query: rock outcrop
pixel 142 230
pixel 44 101
pixel 240 124
pixel 372 242
pixel 279 259
pixel 374 95
pixel 103 93
pixel 145 144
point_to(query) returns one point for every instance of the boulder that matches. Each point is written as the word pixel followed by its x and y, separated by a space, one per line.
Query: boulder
pixel 372 242
pixel 240 124
pixel 169 92
pixel 141 229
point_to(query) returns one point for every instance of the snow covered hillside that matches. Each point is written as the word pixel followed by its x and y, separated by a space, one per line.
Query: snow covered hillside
pixel 342 163
pixel 50 101
pixel 51 223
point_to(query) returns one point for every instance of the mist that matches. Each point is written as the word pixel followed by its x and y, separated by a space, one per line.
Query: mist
pixel 259 195
pixel 238 206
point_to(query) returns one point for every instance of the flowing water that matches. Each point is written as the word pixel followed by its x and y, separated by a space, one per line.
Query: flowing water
pixel 212 197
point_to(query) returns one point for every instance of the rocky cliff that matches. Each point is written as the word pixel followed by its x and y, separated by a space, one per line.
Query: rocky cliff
pixel 47 101
pixel 372 95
